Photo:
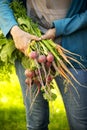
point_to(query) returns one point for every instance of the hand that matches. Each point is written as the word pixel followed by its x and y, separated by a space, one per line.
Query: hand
pixel 50 34
pixel 21 38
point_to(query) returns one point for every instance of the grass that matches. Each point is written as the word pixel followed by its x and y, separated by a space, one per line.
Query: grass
pixel 12 110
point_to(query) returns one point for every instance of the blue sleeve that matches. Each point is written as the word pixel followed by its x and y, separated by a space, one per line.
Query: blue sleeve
pixel 7 20
pixel 67 26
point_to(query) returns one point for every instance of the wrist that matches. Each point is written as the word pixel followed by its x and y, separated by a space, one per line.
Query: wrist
pixel 14 30
pixel 54 32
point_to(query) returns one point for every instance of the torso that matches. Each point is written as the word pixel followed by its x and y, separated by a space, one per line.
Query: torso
pixel 45 11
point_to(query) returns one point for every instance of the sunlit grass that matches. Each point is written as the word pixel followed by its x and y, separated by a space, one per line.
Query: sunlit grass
pixel 10 93
pixel 12 110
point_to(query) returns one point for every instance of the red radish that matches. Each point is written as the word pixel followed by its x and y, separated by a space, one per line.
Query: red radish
pixel 27 81
pixel 42 59
pixel 50 57
pixel 48 64
pixel 29 73
pixel 33 55
pixel 37 82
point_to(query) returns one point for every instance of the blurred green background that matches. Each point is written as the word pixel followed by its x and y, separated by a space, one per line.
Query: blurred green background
pixel 12 110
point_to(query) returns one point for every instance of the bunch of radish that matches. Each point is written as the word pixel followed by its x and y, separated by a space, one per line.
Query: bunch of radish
pixel 48 60
pixel 42 73
pixel 43 65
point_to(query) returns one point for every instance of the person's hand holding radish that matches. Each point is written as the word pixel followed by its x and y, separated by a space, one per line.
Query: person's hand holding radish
pixel 21 38
pixel 50 34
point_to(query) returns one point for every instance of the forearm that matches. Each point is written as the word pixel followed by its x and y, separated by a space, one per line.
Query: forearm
pixel 7 20
pixel 67 26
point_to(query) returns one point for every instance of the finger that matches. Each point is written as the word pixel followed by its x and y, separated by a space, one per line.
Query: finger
pixel 35 38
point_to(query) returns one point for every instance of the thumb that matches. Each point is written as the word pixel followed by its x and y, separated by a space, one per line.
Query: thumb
pixel 50 34
pixel 43 37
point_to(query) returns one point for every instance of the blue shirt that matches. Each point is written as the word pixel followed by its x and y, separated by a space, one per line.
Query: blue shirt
pixel 7 20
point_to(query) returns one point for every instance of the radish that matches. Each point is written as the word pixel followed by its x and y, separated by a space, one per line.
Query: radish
pixel 29 73
pixel 27 81
pixel 50 57
pixel 42 59
pixel 37 82
pixel 49 78
pixel 33 55
pixel 48 64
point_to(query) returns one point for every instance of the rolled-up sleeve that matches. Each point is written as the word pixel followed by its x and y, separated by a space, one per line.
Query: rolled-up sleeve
pixel 7 20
